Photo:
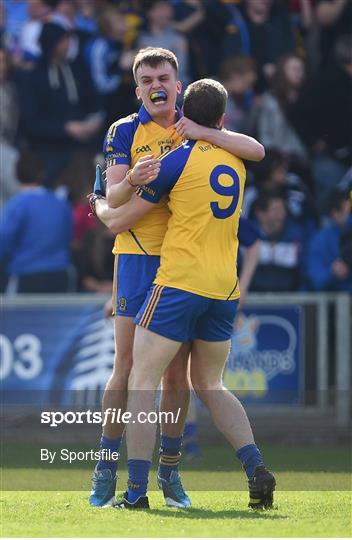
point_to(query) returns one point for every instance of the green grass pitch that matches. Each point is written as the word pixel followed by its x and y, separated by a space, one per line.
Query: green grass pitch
pixel 313 500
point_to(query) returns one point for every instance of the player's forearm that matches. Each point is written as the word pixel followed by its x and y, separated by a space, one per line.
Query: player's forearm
pixel 119 194
pixel 250 261
pixel 106 214
pixel 120 219
pixel 243 146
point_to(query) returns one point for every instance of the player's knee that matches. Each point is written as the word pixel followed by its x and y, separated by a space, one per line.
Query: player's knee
pixel 121 371
pixel 175 378
pixel 202 394
pixel 140 379
pixel 204 387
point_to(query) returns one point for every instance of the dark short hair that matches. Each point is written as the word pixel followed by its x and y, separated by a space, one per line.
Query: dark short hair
pixel 263 170
pixel 336 200
pixel 240 64
pixel 29 168
pixel 205 102
pixel 154 57
pixel 264 200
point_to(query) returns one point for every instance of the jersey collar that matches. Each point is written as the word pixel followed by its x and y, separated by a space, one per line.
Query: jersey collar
pixel 145 117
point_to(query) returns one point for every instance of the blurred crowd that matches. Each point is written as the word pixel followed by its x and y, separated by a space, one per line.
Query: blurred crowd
pixel 65 76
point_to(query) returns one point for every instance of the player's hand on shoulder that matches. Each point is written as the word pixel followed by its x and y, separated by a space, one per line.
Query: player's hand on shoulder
pixel 188 129
pixel 145 170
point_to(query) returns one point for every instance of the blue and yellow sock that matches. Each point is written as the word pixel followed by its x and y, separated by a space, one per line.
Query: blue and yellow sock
pixel 138 473
pixel 114 446
pixel 250 458
pixel 170 454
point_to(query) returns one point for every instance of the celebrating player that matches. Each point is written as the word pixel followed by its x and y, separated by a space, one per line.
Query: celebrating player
pixel 194 296
pixel 137 141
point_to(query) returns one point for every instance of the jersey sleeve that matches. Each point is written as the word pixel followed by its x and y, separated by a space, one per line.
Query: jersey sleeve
pixel 248 232
pixel 118 142
pixel 172 166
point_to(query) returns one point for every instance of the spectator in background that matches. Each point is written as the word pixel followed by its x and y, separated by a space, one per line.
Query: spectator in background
pixel 281 255
pixel 272 176
pixel 35 234
pixel 160 33
pixel 238 75
pixel 335 20
pixel 104 53
pixel 9 115
pixel 96 260
pixel 59 105
pixel 262 30
pixel 39 12
pixel 275 129
pixel 15 15
pixel 65 15
pixel 325 119
pixel 191 21
pixel 85 17
pixel 329 264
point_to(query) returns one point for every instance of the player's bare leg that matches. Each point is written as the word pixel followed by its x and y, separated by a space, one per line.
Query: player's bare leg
pixel 115 395
pixel 152 354
pixel 175 394
pixel 174 399
pixel 207 364
pixel 229 416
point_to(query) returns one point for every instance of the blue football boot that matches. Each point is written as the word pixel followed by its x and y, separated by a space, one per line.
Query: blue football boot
pixel 103 489
pixel 173 491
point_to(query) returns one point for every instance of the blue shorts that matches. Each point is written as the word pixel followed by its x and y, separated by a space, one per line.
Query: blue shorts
pixel 184 316
pixel 133 277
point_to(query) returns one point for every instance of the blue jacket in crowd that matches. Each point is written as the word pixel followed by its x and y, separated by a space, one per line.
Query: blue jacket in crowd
pixel 280 264
pixel 323 250
pixel 35 233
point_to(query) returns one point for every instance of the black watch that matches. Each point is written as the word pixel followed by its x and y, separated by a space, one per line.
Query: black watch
pixel 92 199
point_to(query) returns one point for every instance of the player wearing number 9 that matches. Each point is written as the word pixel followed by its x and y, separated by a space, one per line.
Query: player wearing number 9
pixel 195 292
pixel 205 187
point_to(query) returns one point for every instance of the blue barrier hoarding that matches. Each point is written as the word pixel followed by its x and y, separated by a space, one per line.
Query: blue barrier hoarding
pixel 46 352
pixel 265 363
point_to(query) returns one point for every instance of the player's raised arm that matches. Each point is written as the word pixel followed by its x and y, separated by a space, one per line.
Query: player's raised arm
pixel 240 145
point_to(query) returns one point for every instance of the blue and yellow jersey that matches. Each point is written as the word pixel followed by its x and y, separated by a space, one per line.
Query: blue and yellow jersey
pixel 205 186
pixel 126 141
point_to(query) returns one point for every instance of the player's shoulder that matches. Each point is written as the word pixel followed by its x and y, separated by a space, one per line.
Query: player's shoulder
pixel 212 152
pixel 184 148
pixel 232 160
pixel 128 123
pixel 178 157
pixel 126 120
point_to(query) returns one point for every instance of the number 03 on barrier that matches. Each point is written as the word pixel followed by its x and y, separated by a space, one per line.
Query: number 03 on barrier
pixel 23 357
